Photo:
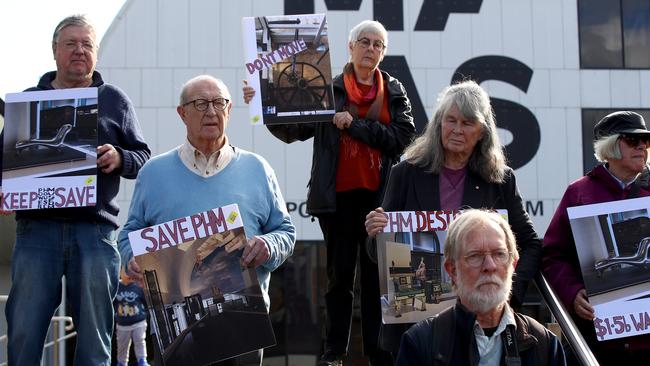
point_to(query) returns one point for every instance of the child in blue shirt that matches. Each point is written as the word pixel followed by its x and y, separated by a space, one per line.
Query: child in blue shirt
pixel 131 320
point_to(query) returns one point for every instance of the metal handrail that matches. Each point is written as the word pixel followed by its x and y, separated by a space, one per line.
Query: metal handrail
pixel 569 329
pixel 55 319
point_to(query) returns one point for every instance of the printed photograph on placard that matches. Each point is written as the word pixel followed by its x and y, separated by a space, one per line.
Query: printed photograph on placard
pixel 198 289
pixel 49 157
pixel 288 65
pixel 613 245
pixel 413 282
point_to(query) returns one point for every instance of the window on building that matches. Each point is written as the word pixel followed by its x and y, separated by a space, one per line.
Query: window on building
pixel 614 34
pixel 589 119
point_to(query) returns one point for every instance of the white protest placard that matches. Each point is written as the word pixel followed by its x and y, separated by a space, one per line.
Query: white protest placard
pixel 412 280
pixel 613 242
pixel 413 283
pixel 49 157
pixel 197 286
pixel 287 62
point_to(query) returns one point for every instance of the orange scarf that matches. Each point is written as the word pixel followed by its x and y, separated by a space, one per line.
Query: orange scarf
pixel 356 96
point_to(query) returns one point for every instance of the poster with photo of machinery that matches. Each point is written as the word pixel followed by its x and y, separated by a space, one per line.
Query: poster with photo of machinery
pixel 49 156
pixel 204 305
pixel 413 283
pixel 288 65
pixel 613 244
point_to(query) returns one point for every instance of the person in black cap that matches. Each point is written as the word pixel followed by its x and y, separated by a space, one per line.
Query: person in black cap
pixel 621 145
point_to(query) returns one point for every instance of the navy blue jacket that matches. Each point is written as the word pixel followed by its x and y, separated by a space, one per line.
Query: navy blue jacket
pixel 118 126
pixel 129 304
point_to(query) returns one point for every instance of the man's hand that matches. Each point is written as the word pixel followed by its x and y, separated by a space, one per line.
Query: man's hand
pixel 108 159
pixel 134 272
pixel 248 92
pixel 376 220
pixel 342 120
pixel 582 307
pixel 255 253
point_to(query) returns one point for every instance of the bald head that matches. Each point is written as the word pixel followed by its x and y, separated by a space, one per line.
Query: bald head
pixel 186 89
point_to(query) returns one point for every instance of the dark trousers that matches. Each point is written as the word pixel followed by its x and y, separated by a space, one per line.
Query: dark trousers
pixel 345 236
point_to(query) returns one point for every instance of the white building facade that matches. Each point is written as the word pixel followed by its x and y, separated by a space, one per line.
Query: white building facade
pixel 552 67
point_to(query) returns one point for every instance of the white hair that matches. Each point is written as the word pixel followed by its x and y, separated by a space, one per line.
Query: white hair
pixel 369 26
pixel 473 102
pixel 222 86
pixel 607 147
pixel 470 220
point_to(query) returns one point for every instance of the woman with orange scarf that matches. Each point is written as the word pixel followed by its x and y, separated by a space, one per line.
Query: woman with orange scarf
pixel 351 160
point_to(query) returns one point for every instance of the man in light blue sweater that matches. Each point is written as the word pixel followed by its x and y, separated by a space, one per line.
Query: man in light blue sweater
pixel 207 172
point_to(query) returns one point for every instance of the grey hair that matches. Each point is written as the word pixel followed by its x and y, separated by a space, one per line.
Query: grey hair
pixel 473 102
pixel 607 147
pixel 222 86
pixel 369 26
pixel 79 20
pixel 470 220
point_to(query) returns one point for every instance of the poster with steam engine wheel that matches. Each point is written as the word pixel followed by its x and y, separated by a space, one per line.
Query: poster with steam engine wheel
pixel 613 245
pixel 288 65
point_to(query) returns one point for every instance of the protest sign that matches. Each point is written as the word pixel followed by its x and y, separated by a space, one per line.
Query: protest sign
pixel 205 306
pixel 412 280
pixel 288 65
pixel 49 157
pixel 613 242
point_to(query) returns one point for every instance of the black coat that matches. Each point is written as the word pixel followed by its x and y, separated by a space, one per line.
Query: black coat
pixel 453 330
pixel 390 139
pixel 411 188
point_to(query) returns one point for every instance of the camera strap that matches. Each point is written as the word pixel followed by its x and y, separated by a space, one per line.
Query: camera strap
pixel 510 342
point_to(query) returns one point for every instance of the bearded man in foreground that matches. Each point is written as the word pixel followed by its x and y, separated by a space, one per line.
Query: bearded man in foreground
pixel 481 329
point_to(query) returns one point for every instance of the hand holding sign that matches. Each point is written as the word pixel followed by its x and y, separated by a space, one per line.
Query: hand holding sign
pixel 582 307
pixel 376 220
pixel 248 92
pixel 108 158
pixel 134 272
pixel 256 252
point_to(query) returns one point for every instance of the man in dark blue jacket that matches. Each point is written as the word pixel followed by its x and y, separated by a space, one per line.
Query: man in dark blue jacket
pixel 78 243
pixel 481 329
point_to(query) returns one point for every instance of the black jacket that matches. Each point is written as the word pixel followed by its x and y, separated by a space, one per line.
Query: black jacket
pixel 448 339
pixel 390 139
pixel 411 188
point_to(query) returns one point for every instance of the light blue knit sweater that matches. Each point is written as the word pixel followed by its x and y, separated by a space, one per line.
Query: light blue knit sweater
pixel 166 190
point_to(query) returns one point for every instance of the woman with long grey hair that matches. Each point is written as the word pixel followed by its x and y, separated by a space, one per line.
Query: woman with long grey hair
pixel 458 162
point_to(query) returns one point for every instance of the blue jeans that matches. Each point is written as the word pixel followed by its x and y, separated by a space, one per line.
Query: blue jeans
pixel 86 254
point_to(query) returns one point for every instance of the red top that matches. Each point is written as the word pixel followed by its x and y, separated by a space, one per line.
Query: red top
pixel 359 163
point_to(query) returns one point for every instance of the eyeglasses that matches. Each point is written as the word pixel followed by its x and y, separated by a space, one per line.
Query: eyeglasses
pixel 73 45
pixel 633 140
pixel 365 43
pixel 201 105
pixel 499 257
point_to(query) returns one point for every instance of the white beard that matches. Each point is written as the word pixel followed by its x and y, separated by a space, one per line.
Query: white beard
pixel 482 299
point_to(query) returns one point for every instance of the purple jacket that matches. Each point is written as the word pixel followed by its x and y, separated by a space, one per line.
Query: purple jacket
pixel 560 263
